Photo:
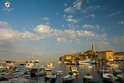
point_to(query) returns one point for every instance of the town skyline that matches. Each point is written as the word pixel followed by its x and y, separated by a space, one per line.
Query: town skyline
pixel 48 29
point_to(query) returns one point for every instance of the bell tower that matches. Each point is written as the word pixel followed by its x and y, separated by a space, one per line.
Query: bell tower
pixel 93 48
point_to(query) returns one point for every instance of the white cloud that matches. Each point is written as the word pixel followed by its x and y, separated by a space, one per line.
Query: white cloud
pixel 90 26
pixel 70 18
pixel 3 24
pixel 115 13
pixel 28 35
pixel 9 34
pixel 62 35
pixel 75 6
pixel 69 10
pixel 43 29
pixel 90 8
pixel 45 18
pixel 6 34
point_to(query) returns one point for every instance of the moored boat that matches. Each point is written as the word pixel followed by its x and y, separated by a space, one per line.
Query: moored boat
pixel 67 78
pixel 49 66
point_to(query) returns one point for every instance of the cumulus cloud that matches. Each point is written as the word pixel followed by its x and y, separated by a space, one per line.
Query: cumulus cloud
pixel 43 28
pixel 3 24
pixel 28 35
pixel 6 33
pixel 62 35
pixel 70 18
pixel 89 26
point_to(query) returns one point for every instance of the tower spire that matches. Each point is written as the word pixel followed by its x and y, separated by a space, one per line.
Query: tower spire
pixel 93 48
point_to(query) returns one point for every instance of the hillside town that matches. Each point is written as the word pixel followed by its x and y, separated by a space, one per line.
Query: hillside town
pixel 98 56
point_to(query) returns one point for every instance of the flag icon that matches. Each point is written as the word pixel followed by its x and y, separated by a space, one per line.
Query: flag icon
pixel 7 4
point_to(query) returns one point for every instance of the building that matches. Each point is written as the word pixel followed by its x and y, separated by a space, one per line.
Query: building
pixel 107 55
pixel 119 56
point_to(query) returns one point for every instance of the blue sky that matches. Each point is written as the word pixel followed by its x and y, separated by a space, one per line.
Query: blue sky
pixel 48 29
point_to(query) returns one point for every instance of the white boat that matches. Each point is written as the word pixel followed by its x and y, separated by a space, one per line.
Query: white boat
pixel 10 65
pixel 19 80
pixel 59 73
pixel 51 78
pixel 74 70
pixel 112 65
pixel 19 72
pixel 68 78
pixel 108 77
pixel 87 62
pixel 119 73
pixel 5 82
pixel 59 62
pixel 49 67
pixel 32 63
pixel 5 75
pixel 87 78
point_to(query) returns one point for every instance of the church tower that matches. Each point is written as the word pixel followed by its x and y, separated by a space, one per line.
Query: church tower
pixel 93 48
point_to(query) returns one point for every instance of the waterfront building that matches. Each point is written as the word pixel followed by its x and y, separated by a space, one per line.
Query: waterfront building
pixel 107 55
pixel 119 56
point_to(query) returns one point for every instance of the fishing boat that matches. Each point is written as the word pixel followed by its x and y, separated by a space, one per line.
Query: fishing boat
pixel 49 67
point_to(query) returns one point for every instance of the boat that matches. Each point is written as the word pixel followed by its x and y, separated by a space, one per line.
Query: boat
pixel 20 71
pixel 103 70
pixel 59 62
pixel 32 64
pixel 119 74
pixel 10 65
pixel 111 64
pixel 68 78
pixel 5 75
pixel 49 67
pixel 74 70
pixel 37 72
pixel 87 62
pixel 109 78
pixel 59 73
pixel 87 78
pixel 52 78
pixel 19 80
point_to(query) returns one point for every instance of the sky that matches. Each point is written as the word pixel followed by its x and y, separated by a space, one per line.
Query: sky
pixel 48 29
